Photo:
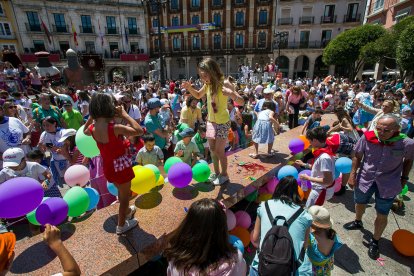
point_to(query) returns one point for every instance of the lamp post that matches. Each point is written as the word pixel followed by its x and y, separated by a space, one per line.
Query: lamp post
pixel 158 4
pixel 279 39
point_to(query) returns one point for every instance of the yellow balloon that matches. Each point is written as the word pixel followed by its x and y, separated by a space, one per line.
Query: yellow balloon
pixel 143 181
pixel 161 181
pixel 264 197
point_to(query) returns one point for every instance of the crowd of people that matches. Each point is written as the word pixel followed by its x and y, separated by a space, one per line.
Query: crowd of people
pixel 209 118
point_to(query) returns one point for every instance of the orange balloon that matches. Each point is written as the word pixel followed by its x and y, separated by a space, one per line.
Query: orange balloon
pixel 242 234
pixel 301 194
pixel 306 141
pixel 307 193
pixel 403 242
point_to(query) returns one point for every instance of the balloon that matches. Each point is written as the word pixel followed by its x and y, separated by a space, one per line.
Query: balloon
pixel 144 180
pixel 298 156
pixel 171 161
pixel 263 190
pixel 305 141
pixel 202 162
pixel 337 174
pixel 301 194
pixel 201 172
pixel 161 181
pixel 53 210
pixel 403 241
pixel 78 201
pixel 236 242
pixel 343 165
pixel 252 197
pixel 180 175
pixel 308 183
pixel 306 194
pixel 231 219
pixel 77 175
pixel 242 234
pixel 93 198
pixel 19 196
pixel 243 219
pixel 31 217
pixel 286 171
pixel 404 191
pixel 155 170
pixel 338 184
pixel 271 185
pixel 296 145
pixel 112 189
pixel 264 197
pixel 86 144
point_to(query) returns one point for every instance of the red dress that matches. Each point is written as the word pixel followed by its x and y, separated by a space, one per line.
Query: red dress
pixel 117 162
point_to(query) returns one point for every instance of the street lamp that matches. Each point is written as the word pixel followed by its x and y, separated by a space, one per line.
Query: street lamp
pixel 280 37
pixel 158 4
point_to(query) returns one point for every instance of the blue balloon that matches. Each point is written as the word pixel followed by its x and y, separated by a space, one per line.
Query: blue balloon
pixel 286 171
pixel 337 174
pixel 93 198
pixel 113 190
pixel 237 243
pixel 202 161
pixel 343 165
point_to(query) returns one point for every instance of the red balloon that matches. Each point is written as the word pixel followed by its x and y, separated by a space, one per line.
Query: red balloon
pixel 403 242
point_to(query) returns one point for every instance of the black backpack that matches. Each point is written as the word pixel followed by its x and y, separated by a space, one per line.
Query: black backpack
pixel 277 254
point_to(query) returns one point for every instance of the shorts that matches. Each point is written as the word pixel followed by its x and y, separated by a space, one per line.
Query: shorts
pixel 220 131
pixel 382 205
pixel 314 195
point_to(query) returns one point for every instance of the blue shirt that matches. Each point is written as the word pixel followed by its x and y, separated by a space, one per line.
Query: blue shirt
pixel 259 104
pixel 152 123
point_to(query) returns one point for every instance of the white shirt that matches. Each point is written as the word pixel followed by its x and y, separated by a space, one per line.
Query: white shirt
pixel 32 170
pixel 324 163
pixel 53 138
pixel 134 112
pixel 11 134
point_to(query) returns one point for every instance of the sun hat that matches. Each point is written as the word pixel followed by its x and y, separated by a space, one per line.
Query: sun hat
pixel 154 103
pixel 67 133
pixel 12 157
pixel 188 132
pixel 320 217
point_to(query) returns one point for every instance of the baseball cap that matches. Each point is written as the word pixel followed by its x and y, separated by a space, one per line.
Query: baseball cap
pixel 66 133
pixel 268 91
pixel 154 103
pixel 188 132
pixel 12 157
pixel 66 102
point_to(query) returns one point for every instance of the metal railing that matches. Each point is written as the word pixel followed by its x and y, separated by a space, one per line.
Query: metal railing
pixel 348 18
pixel 60 28
pixel 111 31
pixel 328 19
pixel 33 28
pixel 285 21
pixel 133 31
pixel 306 20
pixel 87 29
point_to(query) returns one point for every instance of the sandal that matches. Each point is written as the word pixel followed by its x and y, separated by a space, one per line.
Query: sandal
pixel 253 155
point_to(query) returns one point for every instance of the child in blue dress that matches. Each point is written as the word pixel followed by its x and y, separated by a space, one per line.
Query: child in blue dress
pixel 323 242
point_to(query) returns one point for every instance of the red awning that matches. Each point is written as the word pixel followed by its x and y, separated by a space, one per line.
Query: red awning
pixel 134 57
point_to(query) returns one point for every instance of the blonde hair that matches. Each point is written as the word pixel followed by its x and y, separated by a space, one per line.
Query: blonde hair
pixel 395 104
pixel 211 67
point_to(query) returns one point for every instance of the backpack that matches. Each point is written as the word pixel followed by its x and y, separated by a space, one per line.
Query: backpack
pixel 277 254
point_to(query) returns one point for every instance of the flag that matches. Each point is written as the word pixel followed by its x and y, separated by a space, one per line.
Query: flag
pixel 75 34
pixel 101 36
pixel 126 34
pixel 46 32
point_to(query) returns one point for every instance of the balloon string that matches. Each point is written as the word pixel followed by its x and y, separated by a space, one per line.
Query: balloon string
pixel 395 219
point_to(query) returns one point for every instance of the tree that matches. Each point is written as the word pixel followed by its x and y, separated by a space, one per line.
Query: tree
pixel 375 51
pixel 346 48
pixel 405 51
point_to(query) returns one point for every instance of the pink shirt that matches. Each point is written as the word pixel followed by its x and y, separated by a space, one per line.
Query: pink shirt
pixel 294 99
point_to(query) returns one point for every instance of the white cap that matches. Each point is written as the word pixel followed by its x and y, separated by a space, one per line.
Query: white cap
pixel 12 157
pixel 165 102
pixel 298 83
pixel 268 91
pixel 66 133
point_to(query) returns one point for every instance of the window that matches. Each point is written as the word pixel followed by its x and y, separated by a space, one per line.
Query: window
pixel 154 7
pixel 8 47
pixel 326 37
pixel 133 46
pixel 239 19
pixel 111 25
pixel 196 42
pixel 64 46
pixel 60 23
pixel 175 21
pixel 34 23
pixel 352 13
pixel 217 19
pixel 304 39
pixel 262 40
pixel 86 24
pixel 156 45
pixel 217 2
pixel 239 40
pixel 176 43
pixel 154 23
pixel 195 3
pixel 239 1
pixel 39 45
pixel 5 29
pixel 379 4
pixel 217 41
pixel 1 10
pixel 90 47
pixel 263 17
pixel 401 14
pixel 195 20
pixel 132 25
pixel 174 4
pixel 328 14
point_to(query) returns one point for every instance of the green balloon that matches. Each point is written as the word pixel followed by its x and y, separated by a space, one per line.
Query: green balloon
pixel 86 144
pixel 171 161
pixel 252 197
pixel 404 190
pixel 31 217
pixel 78 201
pixel 201 172
pixel 298 156
pixel 155 170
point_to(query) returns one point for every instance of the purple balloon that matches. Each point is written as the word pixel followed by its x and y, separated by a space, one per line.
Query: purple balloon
pixel 19 196
pixel 180 175
pixel 308 183
pixel 53 211
pixel 296 145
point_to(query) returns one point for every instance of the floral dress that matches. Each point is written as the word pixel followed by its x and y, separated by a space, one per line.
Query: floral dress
pixel 321 265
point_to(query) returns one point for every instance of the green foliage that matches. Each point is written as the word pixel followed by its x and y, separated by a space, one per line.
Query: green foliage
pixel 405 49
pixel 374 51
pixel 398 28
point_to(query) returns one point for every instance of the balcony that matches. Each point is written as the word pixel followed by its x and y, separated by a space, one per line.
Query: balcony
pixel 349 18
pixel 12 35
pixel 305 45
pixel 134 57
pixel 133 31
pixel 60 28
pixel 111 31
pixel 195 8
pixel 87 29
pixel 216 4
pixel 285 21
pixel 304 20
pixel 32 58
pixel 239 26
pixel 33 28
pixel 239 2
pixel 328 19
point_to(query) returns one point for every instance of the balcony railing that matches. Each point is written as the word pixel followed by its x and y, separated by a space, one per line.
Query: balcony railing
pixel 111 31
pixel 133 31
pixel 285 21
pixel 306 20
pixel 195 8
pixel 12 35
pixel 348 18
pixel 87 29
pixel 328 19
pixel 305 45
pixel 239 2
pixel 60 28
pixel 33 28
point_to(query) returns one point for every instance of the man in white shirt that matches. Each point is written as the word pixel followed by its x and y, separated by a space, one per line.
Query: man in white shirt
pixel 13 133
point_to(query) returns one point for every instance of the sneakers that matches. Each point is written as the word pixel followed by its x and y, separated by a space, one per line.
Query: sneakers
pixel 129 224
pixel 354 225
pixel 132 210
pixel 221 180
pixel 373 250
pixel 212 177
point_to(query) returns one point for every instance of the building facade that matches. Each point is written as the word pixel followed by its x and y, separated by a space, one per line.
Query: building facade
pixel 388 12
pixel 245 32
pixel 8 29
pixel 111 31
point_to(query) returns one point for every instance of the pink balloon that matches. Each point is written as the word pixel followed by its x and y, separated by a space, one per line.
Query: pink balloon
pixel 271 185
pixel 338 184
pixel 231 219
pixel 243 219
pixel 77 175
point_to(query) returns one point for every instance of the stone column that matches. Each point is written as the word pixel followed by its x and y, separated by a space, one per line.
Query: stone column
pixel 227 60
pixel 331 70
pixel 187 66
pixel 291 66
pixel 379 67
pixel 311 69
pixel 168 67
pixel 249 60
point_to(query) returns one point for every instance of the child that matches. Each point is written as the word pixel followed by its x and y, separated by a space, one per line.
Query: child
pixel 186 149
pixel 150 153
pixel 262 130
pixel 110 139
pixel 200 140
pixel 323 242
pixel 234 145
pixel 313 120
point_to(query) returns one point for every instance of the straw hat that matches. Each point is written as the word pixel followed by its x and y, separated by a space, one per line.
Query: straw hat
pixel 320 216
